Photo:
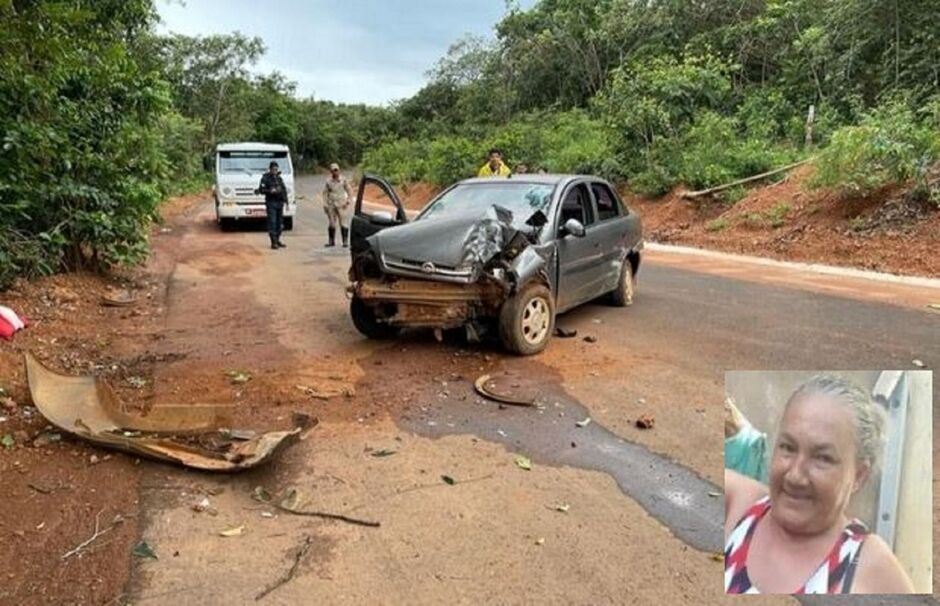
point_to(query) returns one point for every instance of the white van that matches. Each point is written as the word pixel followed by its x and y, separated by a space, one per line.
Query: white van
pixel 238 170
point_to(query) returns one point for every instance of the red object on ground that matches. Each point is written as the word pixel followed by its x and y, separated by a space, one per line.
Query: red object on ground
pixel 6 329
pixel 10 323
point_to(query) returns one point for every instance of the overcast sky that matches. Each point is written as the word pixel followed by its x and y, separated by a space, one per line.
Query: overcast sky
pixel 352 51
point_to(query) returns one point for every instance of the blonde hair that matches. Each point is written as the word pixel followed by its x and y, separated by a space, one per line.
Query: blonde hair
pixel 870 417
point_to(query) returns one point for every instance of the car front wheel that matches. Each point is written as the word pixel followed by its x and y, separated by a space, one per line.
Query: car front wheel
pixel 526 320
pixel 364 319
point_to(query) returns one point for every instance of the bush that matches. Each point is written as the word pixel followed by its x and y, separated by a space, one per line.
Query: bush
pixel 714 151
pixel 891 145
pixel 401 161
pixel 451 159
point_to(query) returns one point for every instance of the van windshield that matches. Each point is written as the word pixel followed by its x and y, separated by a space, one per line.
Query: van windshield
pixel 252 162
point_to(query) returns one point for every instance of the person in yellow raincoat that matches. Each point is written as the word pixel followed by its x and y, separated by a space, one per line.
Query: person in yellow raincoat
pixel 494 167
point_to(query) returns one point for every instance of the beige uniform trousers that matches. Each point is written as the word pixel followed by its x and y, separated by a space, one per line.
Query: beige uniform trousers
pixel 336 203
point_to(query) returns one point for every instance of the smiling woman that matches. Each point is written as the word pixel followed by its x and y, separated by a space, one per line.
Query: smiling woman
pixel 795 534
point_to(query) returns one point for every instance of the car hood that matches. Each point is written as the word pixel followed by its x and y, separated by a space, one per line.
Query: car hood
pixel 463 242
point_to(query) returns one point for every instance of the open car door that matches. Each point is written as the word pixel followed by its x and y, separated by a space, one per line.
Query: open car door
pixel 377 207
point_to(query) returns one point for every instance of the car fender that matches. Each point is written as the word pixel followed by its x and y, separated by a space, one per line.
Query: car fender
pixel 534 263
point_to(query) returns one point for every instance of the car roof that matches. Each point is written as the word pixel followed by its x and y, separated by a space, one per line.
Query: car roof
pixel 542 178
pixel 250 146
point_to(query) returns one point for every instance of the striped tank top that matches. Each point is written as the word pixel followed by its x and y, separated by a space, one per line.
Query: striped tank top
pixel 834 574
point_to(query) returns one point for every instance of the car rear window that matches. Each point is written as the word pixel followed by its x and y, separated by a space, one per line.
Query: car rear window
pixel 607 207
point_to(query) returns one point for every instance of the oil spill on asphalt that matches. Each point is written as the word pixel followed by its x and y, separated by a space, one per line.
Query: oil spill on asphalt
pixel 691 507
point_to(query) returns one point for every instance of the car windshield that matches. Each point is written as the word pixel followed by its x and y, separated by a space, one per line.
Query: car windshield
pixel 252 162
pixel 523 199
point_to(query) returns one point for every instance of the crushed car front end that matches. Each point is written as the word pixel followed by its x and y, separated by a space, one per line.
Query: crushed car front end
pixel 444 273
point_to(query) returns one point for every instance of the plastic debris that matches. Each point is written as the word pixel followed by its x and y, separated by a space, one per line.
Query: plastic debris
pixel 523 463
pixel 485 386
pixel 583 423
pixel 186 434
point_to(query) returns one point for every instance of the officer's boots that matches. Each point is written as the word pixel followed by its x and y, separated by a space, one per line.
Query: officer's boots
pixel 331 231
pixel 345 231
pixel 273 243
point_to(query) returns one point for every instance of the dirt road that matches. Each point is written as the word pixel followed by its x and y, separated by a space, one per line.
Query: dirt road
pixel 607 514
pixel 496 535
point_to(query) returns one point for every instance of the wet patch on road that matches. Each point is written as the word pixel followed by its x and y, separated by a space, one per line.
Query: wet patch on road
pixel 556 432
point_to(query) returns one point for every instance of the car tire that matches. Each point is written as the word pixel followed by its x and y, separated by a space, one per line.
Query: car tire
pixel 226 224
pixel 288 223
pixel 364 320
pixel 623 295
pixel 527 320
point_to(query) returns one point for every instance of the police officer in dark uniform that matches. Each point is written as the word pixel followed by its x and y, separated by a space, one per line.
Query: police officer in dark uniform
pixel 275 197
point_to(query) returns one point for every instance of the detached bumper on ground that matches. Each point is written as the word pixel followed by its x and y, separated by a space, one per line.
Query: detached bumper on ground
pixel 189 435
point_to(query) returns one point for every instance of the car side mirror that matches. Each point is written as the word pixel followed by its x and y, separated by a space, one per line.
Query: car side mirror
pixel 574 227
pixel 382 217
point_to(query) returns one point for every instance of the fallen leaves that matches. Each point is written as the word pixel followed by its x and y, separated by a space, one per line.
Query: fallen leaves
pixel 233 531
pixel 143 550
pixel 523 463
pixel 448 480
pixel 238 377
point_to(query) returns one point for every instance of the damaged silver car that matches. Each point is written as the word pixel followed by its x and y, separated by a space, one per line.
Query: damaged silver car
pixel 501 255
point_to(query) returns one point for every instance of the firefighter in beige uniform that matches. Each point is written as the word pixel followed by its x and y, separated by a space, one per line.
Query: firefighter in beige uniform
pixel 337 201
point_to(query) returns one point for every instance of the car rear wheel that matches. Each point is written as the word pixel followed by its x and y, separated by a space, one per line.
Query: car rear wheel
pixel 364 319
pixel 622 296
pixel 526 321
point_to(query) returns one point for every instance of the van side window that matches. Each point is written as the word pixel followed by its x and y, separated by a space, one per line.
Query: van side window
pixel 577 205
pixel 607 206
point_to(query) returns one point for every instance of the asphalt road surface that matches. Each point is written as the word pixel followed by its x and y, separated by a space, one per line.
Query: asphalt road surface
pixel 607 514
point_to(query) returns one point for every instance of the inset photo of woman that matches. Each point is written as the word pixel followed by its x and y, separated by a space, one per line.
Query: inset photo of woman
pixel 828 482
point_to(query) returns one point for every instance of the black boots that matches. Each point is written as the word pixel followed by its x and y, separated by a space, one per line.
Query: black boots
pixel 273 243
pixel 345 231
pixel 332 233
pixel 281 244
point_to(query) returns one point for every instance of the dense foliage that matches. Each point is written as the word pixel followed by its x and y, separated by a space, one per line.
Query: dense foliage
pixel 677 91
pixel 101 117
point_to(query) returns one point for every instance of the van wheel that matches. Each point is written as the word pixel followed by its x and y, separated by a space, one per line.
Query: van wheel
pixel 364 319
pixel 622 296
pixel 226 224
pixel 526 321
pixel 288 223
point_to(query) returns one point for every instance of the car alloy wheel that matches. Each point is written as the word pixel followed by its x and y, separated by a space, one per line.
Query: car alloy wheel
pixel 536 318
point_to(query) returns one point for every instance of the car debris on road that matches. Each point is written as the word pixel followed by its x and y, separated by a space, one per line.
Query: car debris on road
pixel 485 386
pixel 189 435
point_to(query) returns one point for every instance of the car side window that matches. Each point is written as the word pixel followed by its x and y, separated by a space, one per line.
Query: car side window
pixel 607 206
pixel 577 205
